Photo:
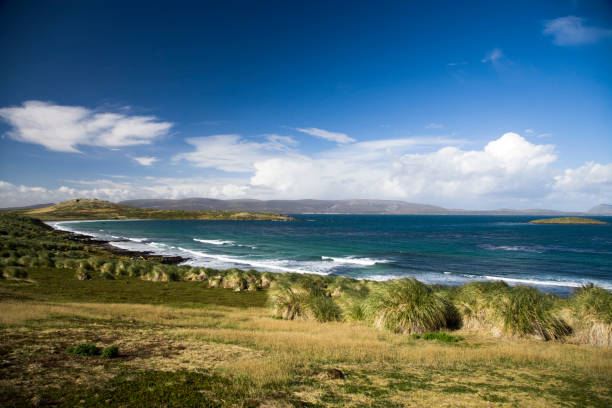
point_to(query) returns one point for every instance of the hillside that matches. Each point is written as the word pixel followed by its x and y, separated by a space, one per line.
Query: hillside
pixel 93 209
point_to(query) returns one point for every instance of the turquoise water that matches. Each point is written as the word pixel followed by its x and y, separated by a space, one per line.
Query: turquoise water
pixel 434 249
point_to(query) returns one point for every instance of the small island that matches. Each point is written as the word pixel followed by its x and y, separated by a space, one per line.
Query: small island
pixel 569 220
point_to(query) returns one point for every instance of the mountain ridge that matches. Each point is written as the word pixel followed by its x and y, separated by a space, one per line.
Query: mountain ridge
pixel 312 206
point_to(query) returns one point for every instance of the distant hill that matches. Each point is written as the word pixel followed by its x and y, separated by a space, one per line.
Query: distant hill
pixel 601 209
pixel 322 207
pixel 293 206
pixel 93 209
pixel 27 207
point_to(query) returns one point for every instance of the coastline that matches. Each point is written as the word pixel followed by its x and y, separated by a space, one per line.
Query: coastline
pixel 561 288
pixel 106 245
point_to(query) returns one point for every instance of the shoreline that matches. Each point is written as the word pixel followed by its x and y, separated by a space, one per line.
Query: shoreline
pixel 559 288
pixel 107 246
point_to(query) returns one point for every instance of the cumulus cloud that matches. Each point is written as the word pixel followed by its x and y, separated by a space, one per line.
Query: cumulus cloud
pixel 433 125
pixel 571 30
pixel 145 161
pixel 63 128
pixel 509 166
pixel 589 178
pixel 232 153
pixel 507 171
pixel 493 56
pixel 327 135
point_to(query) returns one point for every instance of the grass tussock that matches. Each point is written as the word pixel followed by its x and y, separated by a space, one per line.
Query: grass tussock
pixel 408 306
pixel 526 311
pixel 307 300
pixel 405 306
pixel 515 311
pixel 591 316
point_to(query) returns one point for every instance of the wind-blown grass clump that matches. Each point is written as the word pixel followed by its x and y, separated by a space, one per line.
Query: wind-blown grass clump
pixel 591 313
pixel 410 307
pixel 525 310
pixel 305 300
pixel 517 311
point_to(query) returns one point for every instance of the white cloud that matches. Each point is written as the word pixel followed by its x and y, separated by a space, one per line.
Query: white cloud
pixel 401 143
pixel 327 135
pixel 508 171
pixel 433 125
pixel 589 178
pixel 63 128
pixel 529 131
pixel 508 166
pixel 281 140
pixel 571 30
pixel 493 56
pixel 232 153
pixel 145 161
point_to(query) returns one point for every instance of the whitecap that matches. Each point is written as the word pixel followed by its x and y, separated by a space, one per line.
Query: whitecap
pixel 279 265
pixel 568 284
pixel 214 241
pixel 354 261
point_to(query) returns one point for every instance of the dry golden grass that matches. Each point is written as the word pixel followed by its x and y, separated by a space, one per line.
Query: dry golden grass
pixel 262 351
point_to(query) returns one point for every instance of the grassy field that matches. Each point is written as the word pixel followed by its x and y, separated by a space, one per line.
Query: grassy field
pixel 92 209
pixel 205 338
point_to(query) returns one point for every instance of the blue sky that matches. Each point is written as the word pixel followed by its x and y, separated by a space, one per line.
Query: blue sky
pixel 472 105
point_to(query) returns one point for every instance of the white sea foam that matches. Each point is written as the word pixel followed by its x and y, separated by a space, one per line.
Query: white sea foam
pixel 381 278
pixel 214 241
pixel 566 284
pixel 278 265
pixel 138 239
pixel 354 261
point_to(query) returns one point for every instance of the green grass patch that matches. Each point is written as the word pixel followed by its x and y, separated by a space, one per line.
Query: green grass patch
pixel 84 349
pixel 110 352
pixel 440 336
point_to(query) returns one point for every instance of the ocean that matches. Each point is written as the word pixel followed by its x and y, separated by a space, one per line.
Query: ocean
pixel 449 250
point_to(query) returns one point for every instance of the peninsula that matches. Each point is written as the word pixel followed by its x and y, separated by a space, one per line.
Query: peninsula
pixel 93 209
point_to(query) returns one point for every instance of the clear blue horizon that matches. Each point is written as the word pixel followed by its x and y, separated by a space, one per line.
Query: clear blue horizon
pixel 473 105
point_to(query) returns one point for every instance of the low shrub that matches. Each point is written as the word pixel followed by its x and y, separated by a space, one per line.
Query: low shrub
pixel 84 349
pixel 110 352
